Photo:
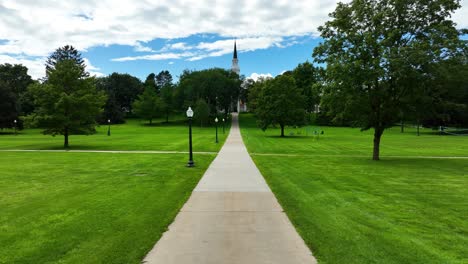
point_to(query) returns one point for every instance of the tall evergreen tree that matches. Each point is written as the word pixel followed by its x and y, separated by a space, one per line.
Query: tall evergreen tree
pixel 67 103
pixel 66 52
pixel 151 82
pixel 163 78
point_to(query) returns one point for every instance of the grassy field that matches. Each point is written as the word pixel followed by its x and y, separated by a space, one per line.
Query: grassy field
pixel 89 207
pixel 350 209
pixel 95 207
pixel 351 141
pixel 133 135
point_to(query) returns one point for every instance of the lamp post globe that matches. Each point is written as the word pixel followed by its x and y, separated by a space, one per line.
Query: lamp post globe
pixel 189 116
pixel 216 122
pixel 223 125
pixel 108 129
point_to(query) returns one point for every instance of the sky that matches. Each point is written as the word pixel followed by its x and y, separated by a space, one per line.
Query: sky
pixel 140 37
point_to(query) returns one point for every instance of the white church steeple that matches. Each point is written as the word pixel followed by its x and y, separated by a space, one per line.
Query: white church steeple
pixel 235 62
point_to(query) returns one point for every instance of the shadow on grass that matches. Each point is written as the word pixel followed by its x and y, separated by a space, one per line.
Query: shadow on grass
pixel 165 124
pixel 9 133
pixel 292 137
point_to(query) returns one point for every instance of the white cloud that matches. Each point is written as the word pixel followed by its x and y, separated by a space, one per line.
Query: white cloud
pixel 93 70
pixel 140 48
pixel 160 56
pixel 210 49
pixel 34 29
pixel 176 46
pixel 255 76
pixel 36 66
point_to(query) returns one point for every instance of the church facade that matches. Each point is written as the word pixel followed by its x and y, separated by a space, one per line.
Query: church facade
pixel 241 106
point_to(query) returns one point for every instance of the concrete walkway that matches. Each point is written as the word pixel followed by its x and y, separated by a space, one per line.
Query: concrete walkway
pixel 231 217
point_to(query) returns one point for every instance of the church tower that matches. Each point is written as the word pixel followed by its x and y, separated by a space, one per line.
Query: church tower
pixel 235 62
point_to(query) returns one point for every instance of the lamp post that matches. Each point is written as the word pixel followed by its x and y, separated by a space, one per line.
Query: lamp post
pixel 216 122
pixel 223 125
pixel 108 129
pixel 15 126
pixel 189 116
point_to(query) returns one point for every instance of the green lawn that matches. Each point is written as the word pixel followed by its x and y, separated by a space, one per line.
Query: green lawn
pixel 350 209
pixel 350 141
pixel 90 207
pixel 133 135
pixel 96 207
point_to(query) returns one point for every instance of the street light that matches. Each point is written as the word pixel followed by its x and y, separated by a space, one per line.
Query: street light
pixel 216 122
pixel 108 130
pixel 15 126
pixel 223 125
pixel 190 115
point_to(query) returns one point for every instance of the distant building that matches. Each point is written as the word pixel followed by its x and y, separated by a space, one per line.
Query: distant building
pixel 241 106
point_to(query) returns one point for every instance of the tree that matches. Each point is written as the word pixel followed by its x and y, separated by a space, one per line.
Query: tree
pixel 245 89
pixel 7 105
pixel 167 97
pixel 202 112
pixel 122 91
pixel 148 105
pixel 67 103
pixel 14 81
pixel 306 76
pixel 151 81
pixel 218 87
pixel 449 94
pixel 280 103
pixel 66 52
pixel 163 78
pixel 374 50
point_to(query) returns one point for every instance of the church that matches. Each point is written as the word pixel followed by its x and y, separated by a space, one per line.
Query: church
pixel 241 106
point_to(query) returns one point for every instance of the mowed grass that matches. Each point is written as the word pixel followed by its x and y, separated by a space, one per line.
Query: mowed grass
pixel 350 209
pixel 133 135
pixel 69 207
pixel 350 141
pixel 89 207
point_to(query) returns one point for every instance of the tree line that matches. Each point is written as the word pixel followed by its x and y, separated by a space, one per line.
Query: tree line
pixel 380 63
pixel 69 101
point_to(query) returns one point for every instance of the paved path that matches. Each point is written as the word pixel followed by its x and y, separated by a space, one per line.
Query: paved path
pixel 231 217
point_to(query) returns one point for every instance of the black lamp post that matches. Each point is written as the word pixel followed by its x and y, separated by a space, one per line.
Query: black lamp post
pixel 108 129
pixel 223 125
pixel 15 126
pixel 216 122
pixel 190 115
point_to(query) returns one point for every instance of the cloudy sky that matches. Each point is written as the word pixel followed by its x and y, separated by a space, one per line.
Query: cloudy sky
pixel 144 36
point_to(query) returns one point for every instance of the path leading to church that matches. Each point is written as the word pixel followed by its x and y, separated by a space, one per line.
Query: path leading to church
pixel 231 217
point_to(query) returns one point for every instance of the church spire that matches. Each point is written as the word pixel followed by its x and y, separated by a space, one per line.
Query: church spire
pixel 235 62
pixel 235 50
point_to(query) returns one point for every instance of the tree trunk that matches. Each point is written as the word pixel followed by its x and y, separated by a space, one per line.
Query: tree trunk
pixel 377 135
pixel 282 130
pixel 402 130
pixel 167 117
pixel 151 121
pixel 65 144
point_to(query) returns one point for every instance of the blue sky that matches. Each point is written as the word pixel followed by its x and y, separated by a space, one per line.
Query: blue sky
pixel 273 60
pixel 145 36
